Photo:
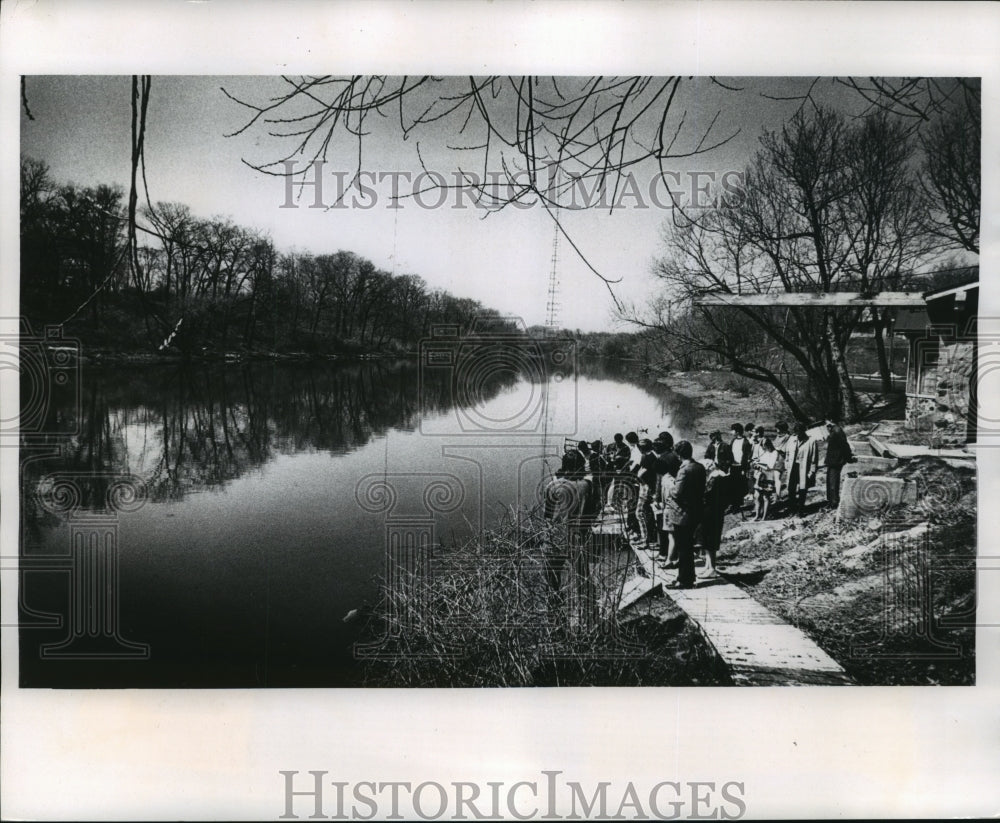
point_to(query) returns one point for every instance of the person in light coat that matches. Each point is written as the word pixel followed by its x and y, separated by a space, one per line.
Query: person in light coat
pixel 801 462
pixel 668 464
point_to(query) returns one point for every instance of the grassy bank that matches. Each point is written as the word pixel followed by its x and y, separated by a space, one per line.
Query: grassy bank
pixel 890 597
pixel 724 398
pixel 525 605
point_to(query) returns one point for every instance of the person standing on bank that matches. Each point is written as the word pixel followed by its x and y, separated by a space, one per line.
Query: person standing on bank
pixel 756 438
pixel 802 464
pixel 631 483
pixel 632 441
pixel 838 453
pixel 574 462
pixel 757 444
pixel 618 459
pixel 714 439
pixel 597 467
pixel 716 501
pixel 689 496
pixel 741 465
pixel 780 444
pixel 764 485
pixel 668 464
pixel 647 488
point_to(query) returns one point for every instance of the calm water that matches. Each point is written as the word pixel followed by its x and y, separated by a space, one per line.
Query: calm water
pixel 263 505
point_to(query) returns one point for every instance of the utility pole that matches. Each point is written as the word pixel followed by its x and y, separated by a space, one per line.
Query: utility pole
pixel 551 306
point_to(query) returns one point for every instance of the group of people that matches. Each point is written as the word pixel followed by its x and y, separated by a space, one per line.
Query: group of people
pixel 674 494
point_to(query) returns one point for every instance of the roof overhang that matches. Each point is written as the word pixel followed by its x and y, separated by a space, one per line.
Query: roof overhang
pixel 958 291
pixel 818 300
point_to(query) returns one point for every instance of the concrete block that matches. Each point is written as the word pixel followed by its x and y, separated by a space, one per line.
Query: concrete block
pixel 871 495
pixel 864 462
pixel 860 446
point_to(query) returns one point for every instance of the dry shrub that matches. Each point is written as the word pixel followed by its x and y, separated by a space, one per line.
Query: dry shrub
pixel 486 613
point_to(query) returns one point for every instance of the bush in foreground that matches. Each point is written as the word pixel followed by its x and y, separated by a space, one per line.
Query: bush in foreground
pixel 527 604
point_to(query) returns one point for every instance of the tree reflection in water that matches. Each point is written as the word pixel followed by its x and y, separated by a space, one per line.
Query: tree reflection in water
pixel 216 611
pixel 248 587
pixel 182 430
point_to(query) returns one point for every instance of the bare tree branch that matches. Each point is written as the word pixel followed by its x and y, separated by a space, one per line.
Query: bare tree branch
pixel 24 100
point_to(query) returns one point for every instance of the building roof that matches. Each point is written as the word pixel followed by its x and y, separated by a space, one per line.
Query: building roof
pixel 961 287
pixel 952 304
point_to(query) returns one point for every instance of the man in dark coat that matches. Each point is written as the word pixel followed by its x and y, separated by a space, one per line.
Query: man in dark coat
pixel 838 454
pixel 717 496
pixel 714 439
pixel 647 488
pixel 688 495
pixel 620 454
pixel 574 462
pixel 741 466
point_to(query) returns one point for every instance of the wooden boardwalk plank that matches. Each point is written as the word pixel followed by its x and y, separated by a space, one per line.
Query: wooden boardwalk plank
pixel 758 646
pixel 636 588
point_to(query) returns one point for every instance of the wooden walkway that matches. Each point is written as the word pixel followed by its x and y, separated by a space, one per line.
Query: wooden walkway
pixel 759 648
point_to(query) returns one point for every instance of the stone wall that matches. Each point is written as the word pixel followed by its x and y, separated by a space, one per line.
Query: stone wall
pixel 943 410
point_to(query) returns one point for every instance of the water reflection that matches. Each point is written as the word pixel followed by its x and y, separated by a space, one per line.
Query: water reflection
pixel 680 410
pixel 245 545
pixel 183 430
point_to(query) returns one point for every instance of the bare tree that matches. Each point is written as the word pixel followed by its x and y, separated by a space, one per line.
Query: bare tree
pixel 946 113
pixel 884 217
pixel 951 178
pixel 512 140
pixel 72 245
pixel 592 128
pixel 826 206
pixel 919 100
pixel 547 136
pixel 552 136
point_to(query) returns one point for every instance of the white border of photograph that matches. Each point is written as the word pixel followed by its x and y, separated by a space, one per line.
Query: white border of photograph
pixel 810 752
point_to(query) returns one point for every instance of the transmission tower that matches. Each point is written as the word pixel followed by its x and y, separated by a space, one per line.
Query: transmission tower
pixel 552 307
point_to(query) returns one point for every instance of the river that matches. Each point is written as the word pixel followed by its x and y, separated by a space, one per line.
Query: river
pixel 254 503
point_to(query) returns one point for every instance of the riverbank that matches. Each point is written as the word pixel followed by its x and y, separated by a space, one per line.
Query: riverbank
pixel 527 604
pixel 891 598
pixel 723 398
pixel 113 358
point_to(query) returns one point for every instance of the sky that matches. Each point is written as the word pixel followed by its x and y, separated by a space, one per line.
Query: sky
pixel 81 129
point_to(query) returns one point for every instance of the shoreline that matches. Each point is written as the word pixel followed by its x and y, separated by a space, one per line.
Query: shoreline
pixel 831 578
pixel 719 406
pixel 109 358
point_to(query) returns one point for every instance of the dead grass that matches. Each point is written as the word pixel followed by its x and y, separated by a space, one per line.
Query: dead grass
pixel 892 598
pixel 485 613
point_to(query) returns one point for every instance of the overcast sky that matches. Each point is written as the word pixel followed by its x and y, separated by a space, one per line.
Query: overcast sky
pixel 81 129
